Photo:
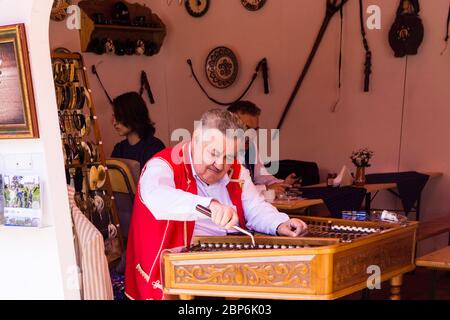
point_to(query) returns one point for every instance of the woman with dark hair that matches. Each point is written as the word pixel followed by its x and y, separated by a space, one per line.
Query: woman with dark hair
pixel 131 120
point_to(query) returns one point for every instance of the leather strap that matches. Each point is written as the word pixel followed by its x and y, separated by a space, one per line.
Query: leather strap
pixel 448 25
pixel 260 64
pixel 341 34
pixel 94 71
pixel 145 85
pixel 368 62
pixel 447 36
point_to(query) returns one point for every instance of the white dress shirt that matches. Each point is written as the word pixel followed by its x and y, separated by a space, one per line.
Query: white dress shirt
pixel 262 177
pixel 158 192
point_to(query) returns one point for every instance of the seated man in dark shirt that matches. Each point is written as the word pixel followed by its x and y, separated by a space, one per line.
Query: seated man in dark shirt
pixel 132 121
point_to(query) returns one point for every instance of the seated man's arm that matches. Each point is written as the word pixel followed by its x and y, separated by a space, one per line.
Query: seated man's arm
pixel 262 176
pixel 158 192
pixel 260 215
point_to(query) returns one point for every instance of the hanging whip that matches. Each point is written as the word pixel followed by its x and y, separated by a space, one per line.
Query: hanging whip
pixel 333 6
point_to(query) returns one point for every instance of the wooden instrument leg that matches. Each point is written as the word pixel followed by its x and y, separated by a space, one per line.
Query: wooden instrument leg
pixel 186 297
pixel 396 285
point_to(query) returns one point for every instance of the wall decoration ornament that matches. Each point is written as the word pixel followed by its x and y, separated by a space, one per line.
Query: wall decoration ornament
pixel 197 8
pixel 406 34
pixel 261 66
pixel 221 67
pixel 59 10
pixel 253 5
pixel 18 111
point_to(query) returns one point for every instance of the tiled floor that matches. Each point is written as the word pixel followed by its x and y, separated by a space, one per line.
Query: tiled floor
pixel 416 286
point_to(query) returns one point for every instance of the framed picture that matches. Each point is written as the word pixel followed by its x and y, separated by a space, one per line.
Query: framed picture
pixel 17 105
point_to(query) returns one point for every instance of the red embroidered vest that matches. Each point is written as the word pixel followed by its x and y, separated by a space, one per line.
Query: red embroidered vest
pixel 148 237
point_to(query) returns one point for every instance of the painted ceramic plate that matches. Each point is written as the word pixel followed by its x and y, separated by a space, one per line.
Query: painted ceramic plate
pixel 221 67
pixel 253 5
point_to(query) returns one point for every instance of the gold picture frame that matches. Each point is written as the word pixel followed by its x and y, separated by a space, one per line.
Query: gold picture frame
pixel 18 118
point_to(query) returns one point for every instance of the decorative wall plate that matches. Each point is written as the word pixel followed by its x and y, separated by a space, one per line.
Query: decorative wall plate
pixel 196 8
pixel 59 10
pixel 221 67
pixel 253 5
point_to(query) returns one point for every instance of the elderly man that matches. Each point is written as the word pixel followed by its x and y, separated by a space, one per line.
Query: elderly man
pixel 249 114
pixel 201 172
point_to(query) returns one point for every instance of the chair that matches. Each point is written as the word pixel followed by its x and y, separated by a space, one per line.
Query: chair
pixel 124 175
pixel 309 171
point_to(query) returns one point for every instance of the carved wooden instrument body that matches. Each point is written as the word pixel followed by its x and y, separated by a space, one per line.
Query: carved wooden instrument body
pixel 331 262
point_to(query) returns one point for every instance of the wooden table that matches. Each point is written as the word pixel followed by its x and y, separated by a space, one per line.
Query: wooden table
pixel 376 187
pixel 296 204
pixel 371 188
pixel 305 203
pixel 437 260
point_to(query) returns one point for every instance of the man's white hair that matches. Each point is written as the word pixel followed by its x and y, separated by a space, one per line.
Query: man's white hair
pixel 221 120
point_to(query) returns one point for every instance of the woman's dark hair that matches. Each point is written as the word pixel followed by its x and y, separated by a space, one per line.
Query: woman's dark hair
pixel 130 110
pixel 245 107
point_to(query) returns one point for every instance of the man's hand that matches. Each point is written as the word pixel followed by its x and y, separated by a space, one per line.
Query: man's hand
pixel 290 179
pixel 292 228
pixel 222 215
pixel 279 188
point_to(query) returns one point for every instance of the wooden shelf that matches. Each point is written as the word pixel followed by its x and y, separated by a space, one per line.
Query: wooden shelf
pixel 79 165
pixel 62 55
pixel 90 31
pixel 127 28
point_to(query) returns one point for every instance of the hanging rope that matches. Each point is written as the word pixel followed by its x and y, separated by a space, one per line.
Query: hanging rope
pixel 262 63
pixel 405 78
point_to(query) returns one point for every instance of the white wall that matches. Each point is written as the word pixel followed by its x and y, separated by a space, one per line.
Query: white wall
pixel 37 263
